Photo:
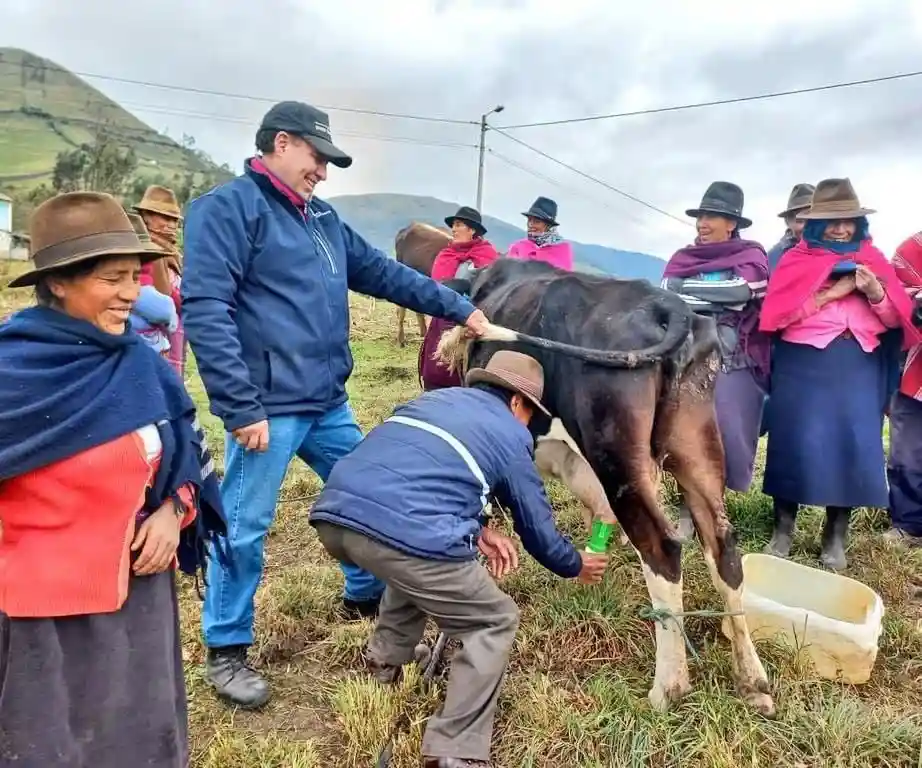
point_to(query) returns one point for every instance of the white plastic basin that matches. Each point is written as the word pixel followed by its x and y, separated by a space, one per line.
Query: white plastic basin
pixel 835 620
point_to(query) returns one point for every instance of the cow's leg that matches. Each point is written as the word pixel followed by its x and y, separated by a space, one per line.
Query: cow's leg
pixel 695 458
pixel 555 458
pixel 617 433
pixel 401 316
pixel 660 553
pixel 421 322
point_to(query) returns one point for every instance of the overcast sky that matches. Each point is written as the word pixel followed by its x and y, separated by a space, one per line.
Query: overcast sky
pixel 543 60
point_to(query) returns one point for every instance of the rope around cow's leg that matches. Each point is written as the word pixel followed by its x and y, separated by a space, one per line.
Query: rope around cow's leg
pixel 662 615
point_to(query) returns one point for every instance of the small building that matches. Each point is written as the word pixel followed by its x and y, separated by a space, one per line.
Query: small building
pixel 6 226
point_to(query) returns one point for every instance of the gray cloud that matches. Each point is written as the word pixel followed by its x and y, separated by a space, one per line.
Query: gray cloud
pixel 543 60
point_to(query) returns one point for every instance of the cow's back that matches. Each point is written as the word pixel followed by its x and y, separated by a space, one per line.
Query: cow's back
pixel 575 308
pixel 582 310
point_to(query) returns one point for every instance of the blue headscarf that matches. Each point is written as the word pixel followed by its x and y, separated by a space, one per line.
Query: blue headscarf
pixel 814 229
pixel 66 387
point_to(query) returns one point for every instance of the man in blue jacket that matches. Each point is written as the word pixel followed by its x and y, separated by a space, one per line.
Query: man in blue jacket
pixel 408 505
pixel 265 301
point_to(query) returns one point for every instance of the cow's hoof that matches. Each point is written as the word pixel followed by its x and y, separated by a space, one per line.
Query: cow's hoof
pixel 758 696
pixel 763 703
pixel 662 697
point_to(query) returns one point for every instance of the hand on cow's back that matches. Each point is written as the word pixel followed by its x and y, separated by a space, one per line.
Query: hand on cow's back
pixel 593 569
pixel 477 323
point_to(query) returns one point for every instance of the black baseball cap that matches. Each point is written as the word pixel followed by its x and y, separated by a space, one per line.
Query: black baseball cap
pixel 311 124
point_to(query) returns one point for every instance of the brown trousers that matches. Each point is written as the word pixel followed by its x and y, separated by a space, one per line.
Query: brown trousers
pixel 465 604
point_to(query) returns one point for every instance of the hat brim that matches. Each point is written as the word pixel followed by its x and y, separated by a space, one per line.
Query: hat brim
pixel 856 213
pixel 741 221
pixel 479 228
pixel 484 376
pixel 795 209
pixel 154 209
pixel 329 151
pixel 533 215
pixel 32 276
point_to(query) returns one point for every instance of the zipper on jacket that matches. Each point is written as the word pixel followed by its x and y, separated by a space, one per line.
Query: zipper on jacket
pixel 318 238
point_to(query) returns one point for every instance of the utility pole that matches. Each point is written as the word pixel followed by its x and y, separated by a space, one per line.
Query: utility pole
pixel 483 149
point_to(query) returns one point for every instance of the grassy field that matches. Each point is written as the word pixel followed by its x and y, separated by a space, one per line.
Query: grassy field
pixel 576 691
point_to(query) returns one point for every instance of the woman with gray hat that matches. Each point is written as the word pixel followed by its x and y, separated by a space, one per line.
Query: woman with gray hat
pixel 543 242
pixel 105 483
pixel 798 201
pixel 725 276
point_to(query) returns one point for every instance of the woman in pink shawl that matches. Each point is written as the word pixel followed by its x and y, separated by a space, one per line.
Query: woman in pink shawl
pixel 543 242
pixel 724 276
pixel 468 248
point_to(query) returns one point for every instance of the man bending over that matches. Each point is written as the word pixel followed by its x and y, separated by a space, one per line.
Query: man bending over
pixel 407 505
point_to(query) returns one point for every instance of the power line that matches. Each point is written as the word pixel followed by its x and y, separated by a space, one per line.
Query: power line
pixel 245 121
pixel 156 109
pixel 116 131
pixel 230 95
pixel 585 175
pixel 554 182
pixel 716 102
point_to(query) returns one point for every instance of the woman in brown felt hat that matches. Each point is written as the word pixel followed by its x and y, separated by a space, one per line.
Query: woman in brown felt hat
pixel 162 218
pixel 105 483
pixel 839 315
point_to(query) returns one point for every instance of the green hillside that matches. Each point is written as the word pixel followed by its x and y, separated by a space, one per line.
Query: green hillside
pixel 44 110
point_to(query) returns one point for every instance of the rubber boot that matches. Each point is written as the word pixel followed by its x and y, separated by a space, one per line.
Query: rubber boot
pixel 685 527
pixel 835 532
pixel 785 520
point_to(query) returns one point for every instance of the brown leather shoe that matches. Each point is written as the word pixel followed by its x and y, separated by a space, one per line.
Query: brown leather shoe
pixel 455 762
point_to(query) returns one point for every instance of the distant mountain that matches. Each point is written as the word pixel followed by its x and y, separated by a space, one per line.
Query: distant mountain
pixel 45 109
pixel 378 217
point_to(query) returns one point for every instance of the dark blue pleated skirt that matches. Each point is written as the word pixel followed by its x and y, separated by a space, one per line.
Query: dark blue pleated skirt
pixel 738 400
pixel 100 691
pixel 825 444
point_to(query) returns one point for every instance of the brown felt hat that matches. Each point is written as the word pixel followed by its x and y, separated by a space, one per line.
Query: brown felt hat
pixel 80 226
pixel 160 200
pixel 835 199
pixel 515 371
pixel 800 198
pixel 140 229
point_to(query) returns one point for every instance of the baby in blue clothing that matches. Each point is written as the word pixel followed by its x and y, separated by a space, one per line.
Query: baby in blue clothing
pixel 153 316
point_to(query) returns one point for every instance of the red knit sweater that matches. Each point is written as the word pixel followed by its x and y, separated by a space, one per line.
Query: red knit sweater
pixel 66 531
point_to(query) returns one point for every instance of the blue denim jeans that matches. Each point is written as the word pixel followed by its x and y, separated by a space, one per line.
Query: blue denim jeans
pixel 249 491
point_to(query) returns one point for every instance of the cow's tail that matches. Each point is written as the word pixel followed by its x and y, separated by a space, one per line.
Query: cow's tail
pixel 678 325
pixel 452 349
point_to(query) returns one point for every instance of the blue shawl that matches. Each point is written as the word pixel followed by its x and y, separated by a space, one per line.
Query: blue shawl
pixel 66 387
pixel 815 228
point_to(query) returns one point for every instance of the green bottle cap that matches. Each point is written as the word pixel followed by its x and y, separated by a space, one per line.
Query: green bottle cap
pixel 599 536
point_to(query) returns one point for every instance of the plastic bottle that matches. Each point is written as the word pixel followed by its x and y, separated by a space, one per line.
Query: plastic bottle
pixel 598 538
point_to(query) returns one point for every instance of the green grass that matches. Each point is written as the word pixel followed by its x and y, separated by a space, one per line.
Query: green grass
pixel 26 146
pixel 583 659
